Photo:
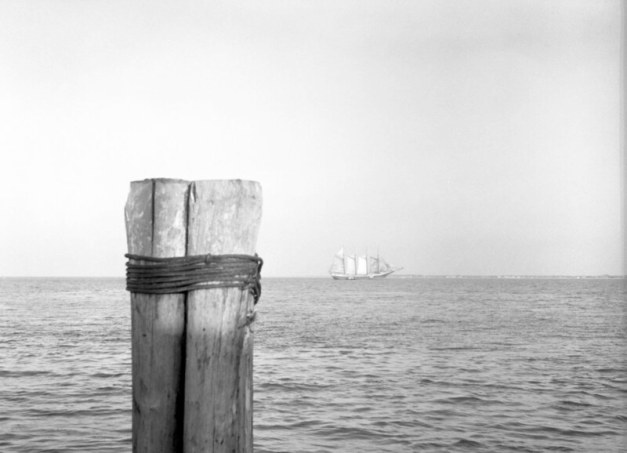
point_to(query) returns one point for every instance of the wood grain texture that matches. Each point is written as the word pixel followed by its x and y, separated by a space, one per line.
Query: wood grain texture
pixel 156 223
pixel 224 217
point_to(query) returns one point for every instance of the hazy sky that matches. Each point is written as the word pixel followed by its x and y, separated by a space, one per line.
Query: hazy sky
pixel 457 137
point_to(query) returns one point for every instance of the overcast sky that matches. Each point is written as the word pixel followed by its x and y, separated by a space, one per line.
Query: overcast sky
pixel 456 137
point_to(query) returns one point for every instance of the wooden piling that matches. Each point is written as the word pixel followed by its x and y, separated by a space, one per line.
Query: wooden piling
pixel 224 217
pixel 192 354
pixel 156 224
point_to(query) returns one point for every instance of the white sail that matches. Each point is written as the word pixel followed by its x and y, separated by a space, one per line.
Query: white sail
pixel 349 265
pixel 337 267
pixel 362 265
pixel 383 265
pixel 373 264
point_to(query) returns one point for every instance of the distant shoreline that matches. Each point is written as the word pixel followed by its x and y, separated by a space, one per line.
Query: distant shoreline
pixel 515 277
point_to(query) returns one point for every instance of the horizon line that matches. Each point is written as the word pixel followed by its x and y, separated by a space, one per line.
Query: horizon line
pixel 604 275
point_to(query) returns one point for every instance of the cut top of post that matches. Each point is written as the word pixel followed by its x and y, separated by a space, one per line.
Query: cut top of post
pixel 213 216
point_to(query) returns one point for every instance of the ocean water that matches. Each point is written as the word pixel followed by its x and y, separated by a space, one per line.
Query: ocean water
pixel 394 365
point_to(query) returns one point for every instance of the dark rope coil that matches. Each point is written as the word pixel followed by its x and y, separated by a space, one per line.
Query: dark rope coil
pixel 152 275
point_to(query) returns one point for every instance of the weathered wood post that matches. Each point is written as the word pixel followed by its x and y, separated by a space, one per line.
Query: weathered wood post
pixel 156 225
pixel 224 217
pixel 192 355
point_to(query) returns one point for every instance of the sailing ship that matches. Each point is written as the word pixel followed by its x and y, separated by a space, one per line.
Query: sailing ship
pixel 352 267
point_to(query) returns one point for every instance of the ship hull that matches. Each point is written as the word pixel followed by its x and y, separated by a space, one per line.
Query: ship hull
pixel 360 276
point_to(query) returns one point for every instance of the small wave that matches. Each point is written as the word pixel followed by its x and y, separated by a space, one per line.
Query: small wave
pixel 290 387
pixel 598 395
pixel 432 321
pixel 454 348
pixel 610 370
pixel 106 388
pixel 288 426
pixel 25 373
pixel 504 343
pixel 429 445
pixel 108 375
pixel 574 404
pixel 518 448
pixel 614 387
pixel 468 443
pixel 61 412
pixel 360 409
pixel 466 400
pixel 349 432
pixel 566 432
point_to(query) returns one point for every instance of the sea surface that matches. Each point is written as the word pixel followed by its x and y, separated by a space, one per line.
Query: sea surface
pixel 394 365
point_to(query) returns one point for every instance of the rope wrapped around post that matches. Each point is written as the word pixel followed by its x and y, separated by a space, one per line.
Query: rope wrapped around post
pixel 152 275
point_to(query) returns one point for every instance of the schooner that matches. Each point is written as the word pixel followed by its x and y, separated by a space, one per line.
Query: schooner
pixel 352 267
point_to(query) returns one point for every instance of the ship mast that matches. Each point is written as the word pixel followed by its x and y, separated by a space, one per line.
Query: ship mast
pixel 343 261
